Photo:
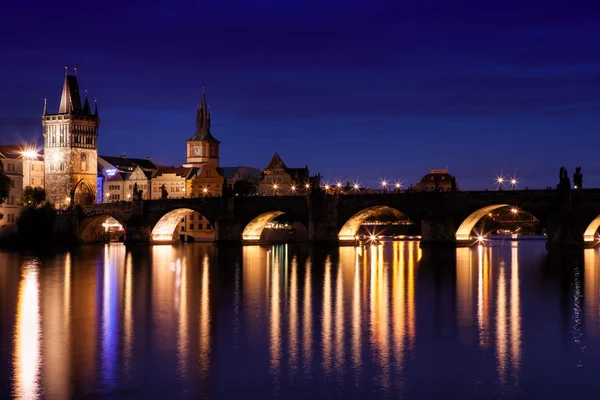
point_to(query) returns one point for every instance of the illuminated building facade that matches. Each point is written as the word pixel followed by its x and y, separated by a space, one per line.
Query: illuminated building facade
pixel 71 148
pixel 118 175
pixel 278 179
pixel 25 167
pixel 437 180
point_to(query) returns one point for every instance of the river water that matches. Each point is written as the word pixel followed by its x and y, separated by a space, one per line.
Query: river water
pixel 392 321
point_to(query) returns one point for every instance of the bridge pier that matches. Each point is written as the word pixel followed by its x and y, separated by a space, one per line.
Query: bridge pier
pixel 228 230
pixel 438 230
pixel 322 218
pixel 564 232
pixel 137 233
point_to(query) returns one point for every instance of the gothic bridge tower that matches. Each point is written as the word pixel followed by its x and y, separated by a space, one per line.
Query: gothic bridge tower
pixel 203 147
pixel 71 148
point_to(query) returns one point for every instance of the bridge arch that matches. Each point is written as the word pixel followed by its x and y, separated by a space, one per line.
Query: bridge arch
pixel 253 231
pixel 165 228
pixel 463 233
pixel 590 233
pixel 350 228
pixel 93 228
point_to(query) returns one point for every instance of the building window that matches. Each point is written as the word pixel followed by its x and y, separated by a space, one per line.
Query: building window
pixel 11 200
pixel 62 166
pixel 12 183
pixel 199 227
pixel 11 218
pixel 191 227
pixel 83 162
pixel 192 217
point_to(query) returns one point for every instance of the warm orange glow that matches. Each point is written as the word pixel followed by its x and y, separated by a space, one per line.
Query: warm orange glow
pixel 205 320
pixel 307 185
pixel 501 328
pixel 293 316
pixel 30 154
pixel 339 184
pixel 293 188
pixel 326 186
pixel 27 356
pixel 275 342
pixel 326 322
pixel 307 319
pixel 515 309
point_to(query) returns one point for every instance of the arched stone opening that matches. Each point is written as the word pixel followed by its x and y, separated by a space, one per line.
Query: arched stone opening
pixel 590 233
pixel 83 193
pixel 183 224
pixel 101 228
pixel 463 233
pixel 351 227
pixel 255 230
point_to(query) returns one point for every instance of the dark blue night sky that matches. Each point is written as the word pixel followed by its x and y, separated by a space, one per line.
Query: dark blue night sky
pixel 354 89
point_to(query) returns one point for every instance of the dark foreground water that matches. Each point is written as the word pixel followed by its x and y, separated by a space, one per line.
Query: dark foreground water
pixel 194 321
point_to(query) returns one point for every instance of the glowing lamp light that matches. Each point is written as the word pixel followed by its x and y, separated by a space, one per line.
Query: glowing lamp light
pixel 372 237
pixel 384 183
pixel 326 187
pixel 513 181
pixel 68 199
pixel 356 186
pixel 514 210
pixel 480 239
pixel 293 188
pixel 29 154
pixel 339 184
pixel 398 185
pixel 307 186
pixel 275 186
pixel 204 190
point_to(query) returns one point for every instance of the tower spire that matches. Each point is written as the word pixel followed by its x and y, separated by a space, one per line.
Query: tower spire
pixel 203 121
pixel 86 105
pixel 95 107
pixel 45 112
pixel 69 100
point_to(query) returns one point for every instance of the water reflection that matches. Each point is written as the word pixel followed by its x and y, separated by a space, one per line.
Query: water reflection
pixel 27 358
pixel 189 321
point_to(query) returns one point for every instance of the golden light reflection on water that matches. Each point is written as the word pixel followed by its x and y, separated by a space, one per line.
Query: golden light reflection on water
pixel 515 310
pixel 205 320
pixel 293 316
pixel 501 329
pixel 326 317
pixel 27 355
pixel 592 292
pixel 307 319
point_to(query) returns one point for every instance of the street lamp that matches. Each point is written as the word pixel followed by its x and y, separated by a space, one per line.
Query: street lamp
pixel 204 191
pixel 293 188
pixel 500 182
pixel 326 188
pixel 513 183
pixel 384 184
pixel 398 186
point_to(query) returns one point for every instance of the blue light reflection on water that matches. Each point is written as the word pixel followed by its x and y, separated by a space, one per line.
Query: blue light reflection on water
pixel 194 321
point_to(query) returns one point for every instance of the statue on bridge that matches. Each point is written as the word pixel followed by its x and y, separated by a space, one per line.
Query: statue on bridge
pixel 163 192
pixel 136 194
pixel 578 178
pixel 564 183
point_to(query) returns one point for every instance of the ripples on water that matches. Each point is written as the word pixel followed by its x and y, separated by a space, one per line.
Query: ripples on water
pixel 195 321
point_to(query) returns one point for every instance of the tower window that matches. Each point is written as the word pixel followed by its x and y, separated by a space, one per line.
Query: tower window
pixel 83 162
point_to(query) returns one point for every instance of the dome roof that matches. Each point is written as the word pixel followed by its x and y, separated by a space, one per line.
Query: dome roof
pixel 436 178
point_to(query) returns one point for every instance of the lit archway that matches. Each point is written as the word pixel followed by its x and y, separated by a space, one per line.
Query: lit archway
pixel 82 193
pixel 101 228
pixel 350 228
pixel 590 233
pixel 165 228
pixel 254 229
pixel 463 232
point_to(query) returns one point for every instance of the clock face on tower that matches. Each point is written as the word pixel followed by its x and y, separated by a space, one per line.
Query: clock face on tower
pixel 198 151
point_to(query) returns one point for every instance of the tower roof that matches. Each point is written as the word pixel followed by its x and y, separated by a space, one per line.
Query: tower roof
pixel 203 123
pixel 70 100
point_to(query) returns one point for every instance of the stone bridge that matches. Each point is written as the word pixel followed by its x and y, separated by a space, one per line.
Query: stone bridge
pixel 570 218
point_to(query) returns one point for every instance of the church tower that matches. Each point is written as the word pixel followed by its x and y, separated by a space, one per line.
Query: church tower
pixel 203 147
pixel 71 148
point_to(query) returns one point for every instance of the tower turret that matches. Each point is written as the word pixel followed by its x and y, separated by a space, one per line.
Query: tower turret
pixel 70 148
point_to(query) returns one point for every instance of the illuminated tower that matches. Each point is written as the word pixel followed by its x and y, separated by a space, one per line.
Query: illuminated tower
pixel 203 147
pixel 71 148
